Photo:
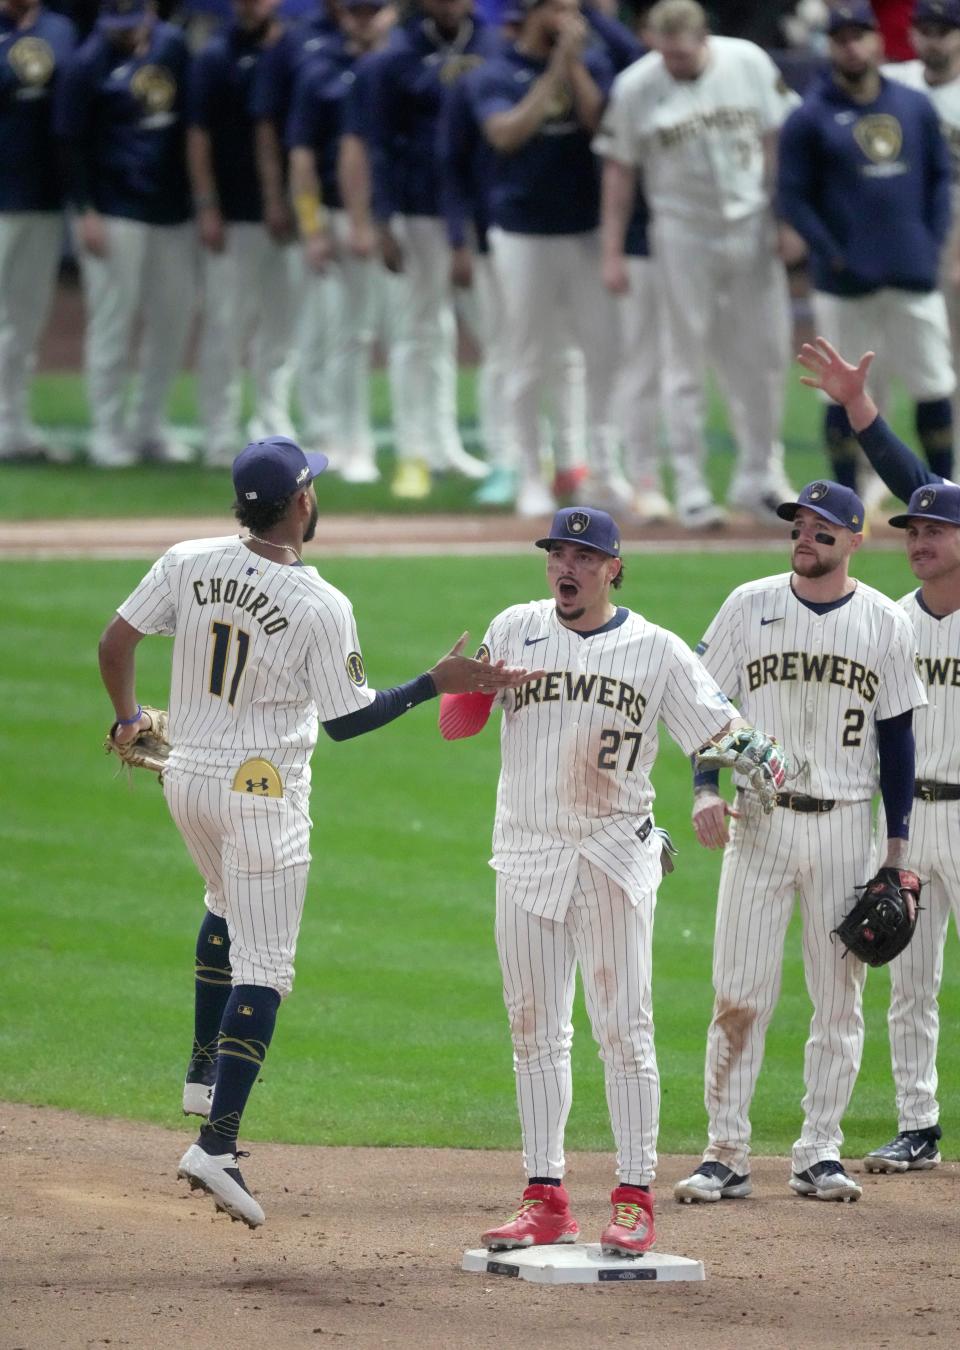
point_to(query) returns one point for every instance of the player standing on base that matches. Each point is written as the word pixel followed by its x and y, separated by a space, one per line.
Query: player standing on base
pixel 827 665
pixel 932 525
pixel 265 651
pixel 578 859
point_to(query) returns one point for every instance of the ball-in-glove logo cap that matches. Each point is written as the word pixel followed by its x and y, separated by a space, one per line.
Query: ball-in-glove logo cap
pixel 941 502
pixel 584 525
pixel 839 505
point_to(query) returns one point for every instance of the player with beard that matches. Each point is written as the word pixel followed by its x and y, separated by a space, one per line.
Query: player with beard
pixel 265 651
pixel 826 665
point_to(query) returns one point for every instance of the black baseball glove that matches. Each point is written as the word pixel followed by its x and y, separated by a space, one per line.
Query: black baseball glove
pixel 881 924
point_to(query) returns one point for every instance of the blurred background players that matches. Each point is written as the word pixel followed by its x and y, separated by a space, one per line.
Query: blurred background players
pixel 341 294
pixel 34 44
pixel 249 281
pixel 699 116
pixel 538 105
pixel 427 53
pixel 865 179
pixel 120 117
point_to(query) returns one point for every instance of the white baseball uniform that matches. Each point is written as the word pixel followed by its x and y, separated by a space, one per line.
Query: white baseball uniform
pixel 578 863
pixel 818 683
pixel 262 653
pixel 915 975
pixel 700 146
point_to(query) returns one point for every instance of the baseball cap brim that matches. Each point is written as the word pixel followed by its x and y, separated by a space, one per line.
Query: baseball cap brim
pixel 316 462
pixel 572 539
pixel 788 511
pixel 901 522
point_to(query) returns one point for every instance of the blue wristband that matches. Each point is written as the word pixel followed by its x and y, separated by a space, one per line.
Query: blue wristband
pixel 129 721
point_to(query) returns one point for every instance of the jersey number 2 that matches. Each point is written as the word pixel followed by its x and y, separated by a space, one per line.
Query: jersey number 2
pixel 610 742
pixel 222 633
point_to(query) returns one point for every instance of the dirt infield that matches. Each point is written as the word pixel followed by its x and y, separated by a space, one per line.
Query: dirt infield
pixel 102 1246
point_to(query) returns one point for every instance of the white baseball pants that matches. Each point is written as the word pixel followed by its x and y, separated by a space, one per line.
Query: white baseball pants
pixel 150 271
pixel 723 302
pixel 30 243
pixel 335 341
pixel 909 332
pixel 249 296
pixel 914 1016
pixel 769 860
pixel 611 939
pixel 637 389
pixel 254 856
pixel 423 336
pixel 554 300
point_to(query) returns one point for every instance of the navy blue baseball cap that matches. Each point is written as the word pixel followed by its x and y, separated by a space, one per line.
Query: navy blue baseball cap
pixel 853 14
pixel 122 13
pixel 946 12
pixel 937 501
pixel 269 470
pixel 839 505
pixel 584 525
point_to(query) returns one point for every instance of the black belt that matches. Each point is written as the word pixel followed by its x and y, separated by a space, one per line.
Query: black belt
pixel 644 830
pixel 936 792
pixel 796 801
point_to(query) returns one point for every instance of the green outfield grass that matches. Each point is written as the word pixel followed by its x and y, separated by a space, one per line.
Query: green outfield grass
pixel 73 489
pixel 395 1032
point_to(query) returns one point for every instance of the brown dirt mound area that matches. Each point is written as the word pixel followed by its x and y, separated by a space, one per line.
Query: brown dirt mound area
pixel 362 1247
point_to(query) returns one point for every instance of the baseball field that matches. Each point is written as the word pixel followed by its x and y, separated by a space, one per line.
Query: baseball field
pixel 383 1130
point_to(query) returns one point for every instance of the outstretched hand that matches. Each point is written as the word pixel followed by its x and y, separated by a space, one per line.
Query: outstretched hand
pixel 837 378
pixel 459 674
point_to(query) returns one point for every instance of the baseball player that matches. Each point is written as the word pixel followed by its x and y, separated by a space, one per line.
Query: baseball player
pixel 264 652
pixel 429 51
pixel 34 44
pixel 538 105
pixel 249 279
pixel 340 297
pixel 827 665
pixel 578 860
pixel 864 177
pixel 119 113
pixel 932 526
pixel 935 34
pixel 699 116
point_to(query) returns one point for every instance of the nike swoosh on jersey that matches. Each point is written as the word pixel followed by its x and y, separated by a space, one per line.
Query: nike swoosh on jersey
pixel 764 622
pixel 528 642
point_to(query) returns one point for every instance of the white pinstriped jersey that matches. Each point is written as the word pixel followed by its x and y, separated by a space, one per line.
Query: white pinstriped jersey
pixel 577 747
pixel 817 682
pixel 936 730
pixel 262 653
pixel 699 142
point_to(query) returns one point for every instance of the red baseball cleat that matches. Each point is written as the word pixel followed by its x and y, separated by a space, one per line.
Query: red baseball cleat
pixel 630 1231
pixel 543 1218
pixel 566 481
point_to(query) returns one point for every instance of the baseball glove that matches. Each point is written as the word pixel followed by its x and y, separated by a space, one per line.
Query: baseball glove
pixel 149 749
pixel 752 754
pixel 880 925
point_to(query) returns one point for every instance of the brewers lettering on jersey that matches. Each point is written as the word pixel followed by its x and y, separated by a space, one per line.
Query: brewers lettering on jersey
pixel 578 859
pixel 826 664
pixel 264 652
pixel 932 525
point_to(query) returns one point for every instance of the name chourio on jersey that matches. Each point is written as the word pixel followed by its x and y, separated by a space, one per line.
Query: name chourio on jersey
pixel 818 682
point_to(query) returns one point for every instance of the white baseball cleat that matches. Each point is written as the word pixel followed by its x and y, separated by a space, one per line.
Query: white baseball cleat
pixel 457 460
pixel 700 513
pixel 360 469
pixel 712 1181
pixel 650 507
pixel 219 1175
pixel 534 498
pixel 826 1181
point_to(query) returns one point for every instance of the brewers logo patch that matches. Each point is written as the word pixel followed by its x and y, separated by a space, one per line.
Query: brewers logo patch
pixel 456 66
pixel 926 499
pixel 578 522
pixel 32 61
pixel 355 668
pixel 818 490
pixel 483 653
pixel 879 136
pixel 155 88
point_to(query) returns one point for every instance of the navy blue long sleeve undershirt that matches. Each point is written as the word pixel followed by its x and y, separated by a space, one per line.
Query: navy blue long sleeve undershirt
pixel 901 470
pixel 387 705
pixel 896 752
